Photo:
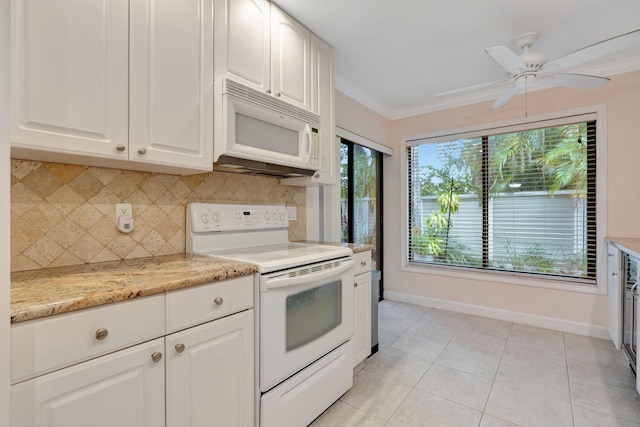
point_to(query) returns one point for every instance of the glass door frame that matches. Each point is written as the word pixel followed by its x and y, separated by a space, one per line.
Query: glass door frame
pixel 379 204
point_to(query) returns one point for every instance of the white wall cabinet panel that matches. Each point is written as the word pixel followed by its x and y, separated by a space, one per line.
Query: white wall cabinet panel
pixel 124 389
pixel 290 59
pixel 243 42
pixel 210 379
pixel 361 307
pixel 70 75
pixel 171 82
pixel 322 103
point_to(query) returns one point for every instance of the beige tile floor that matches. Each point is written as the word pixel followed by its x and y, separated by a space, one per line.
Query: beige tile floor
pixel 440 368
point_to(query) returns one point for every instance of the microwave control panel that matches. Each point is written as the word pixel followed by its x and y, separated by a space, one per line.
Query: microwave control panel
pixel 206 217
pixel 314 149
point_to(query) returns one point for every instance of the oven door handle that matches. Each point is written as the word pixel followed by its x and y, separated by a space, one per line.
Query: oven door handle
pixel 283 282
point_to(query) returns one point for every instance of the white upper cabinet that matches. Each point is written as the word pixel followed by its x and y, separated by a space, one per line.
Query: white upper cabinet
pixel 70 76
pixel 259 45
pixel 171 83
pixel 114 83
pixel 243 49
pixel 290 59
pixel 322 103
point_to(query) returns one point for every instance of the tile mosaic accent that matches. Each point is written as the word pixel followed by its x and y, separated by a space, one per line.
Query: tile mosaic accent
pixel 65 214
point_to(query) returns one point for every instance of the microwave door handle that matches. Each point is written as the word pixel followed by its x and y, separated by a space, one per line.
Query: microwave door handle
pixel 283 282
pixel 307 134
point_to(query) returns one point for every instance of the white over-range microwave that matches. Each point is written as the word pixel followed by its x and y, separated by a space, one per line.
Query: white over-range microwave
pixel 259 133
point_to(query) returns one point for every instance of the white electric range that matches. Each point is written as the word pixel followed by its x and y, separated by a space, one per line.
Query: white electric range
pixel 303 307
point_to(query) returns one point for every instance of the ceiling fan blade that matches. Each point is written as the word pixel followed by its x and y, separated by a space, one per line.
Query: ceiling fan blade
pixel 574 80
pixel 507 59
pixel 470 88
pixel 598 50
pixel 505 97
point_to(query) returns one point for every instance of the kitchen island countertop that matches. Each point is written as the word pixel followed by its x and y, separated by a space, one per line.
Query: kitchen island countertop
pixel 40 293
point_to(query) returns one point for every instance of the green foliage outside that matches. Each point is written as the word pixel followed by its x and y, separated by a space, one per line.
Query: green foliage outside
pixel 549 160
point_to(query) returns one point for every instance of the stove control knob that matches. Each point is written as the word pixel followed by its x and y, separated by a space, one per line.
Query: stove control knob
pixel 282 216
pixel 275 215
pixel 216 217
pixel 267 216
pixel 205 218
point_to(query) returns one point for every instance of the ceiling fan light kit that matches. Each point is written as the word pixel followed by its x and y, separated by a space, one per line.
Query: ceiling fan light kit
pixel 533 68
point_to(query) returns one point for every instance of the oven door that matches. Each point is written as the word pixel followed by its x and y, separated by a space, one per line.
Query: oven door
pixel 304 314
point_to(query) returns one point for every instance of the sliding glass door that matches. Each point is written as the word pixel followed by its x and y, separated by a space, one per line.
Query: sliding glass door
pixel 361 197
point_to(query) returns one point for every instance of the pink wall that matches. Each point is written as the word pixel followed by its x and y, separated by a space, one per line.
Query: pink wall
pixel 542 306
pixel 356 118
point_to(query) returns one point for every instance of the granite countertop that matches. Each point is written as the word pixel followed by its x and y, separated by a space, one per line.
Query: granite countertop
pixel 40 293
pixel 627 244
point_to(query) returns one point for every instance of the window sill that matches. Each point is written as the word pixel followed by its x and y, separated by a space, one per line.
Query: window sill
pixel 504 278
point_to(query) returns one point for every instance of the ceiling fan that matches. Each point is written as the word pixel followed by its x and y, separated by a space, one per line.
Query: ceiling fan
pixel 533 67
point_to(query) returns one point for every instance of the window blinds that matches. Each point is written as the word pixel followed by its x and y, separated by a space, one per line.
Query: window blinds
pixel 518 201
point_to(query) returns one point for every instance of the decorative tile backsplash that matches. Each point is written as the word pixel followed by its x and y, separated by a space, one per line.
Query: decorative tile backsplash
pixel 65 214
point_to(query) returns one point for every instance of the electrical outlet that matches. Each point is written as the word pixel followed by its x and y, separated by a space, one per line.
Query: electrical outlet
pixel 123 209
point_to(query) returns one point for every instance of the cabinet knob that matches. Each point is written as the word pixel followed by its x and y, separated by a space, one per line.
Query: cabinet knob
pixel 101 334
pixel 142 150
pixel 268 91
pixel 278 94
pixel 120 147
pixel 156 357
pixel 317 175
pixel 179 348
pixel 355 284
pixel 363 263
pixel 218 301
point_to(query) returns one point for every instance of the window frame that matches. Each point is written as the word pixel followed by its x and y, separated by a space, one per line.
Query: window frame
pixel 595 112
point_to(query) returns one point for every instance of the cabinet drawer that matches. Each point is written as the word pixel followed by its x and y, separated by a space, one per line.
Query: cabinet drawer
pixel 192 306
pixel 43 345
pixel 362 262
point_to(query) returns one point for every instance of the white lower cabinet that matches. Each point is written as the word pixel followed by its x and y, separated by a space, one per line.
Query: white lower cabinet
pixel 210 374
pixel 124 389
pixel 199 375
pixel 362 307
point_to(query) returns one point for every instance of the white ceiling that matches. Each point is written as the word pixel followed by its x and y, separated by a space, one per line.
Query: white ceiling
pixel 393 55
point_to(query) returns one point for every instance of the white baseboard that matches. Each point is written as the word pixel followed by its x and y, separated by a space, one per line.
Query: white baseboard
pixel 509 316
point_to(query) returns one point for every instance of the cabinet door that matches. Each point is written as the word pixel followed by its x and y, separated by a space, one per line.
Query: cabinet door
pixel 242 40
pixel 210 380
pixel 70 76
pixel 124 389
pixel 171 83
pixel 614 284
pixel 290 59
pixel 322 103
pixel 362 317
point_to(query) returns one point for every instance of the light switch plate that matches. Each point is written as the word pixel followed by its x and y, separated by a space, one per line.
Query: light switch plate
pixel 292 212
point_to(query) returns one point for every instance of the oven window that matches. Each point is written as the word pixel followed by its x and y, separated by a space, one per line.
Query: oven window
pixel 313 313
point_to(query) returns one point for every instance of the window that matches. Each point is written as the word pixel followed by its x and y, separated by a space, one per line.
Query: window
pixel 520 201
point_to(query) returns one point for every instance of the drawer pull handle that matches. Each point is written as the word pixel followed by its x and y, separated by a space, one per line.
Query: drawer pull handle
pixel 218 301
pixel 101 334
pixel 363 263
pixel 179 348
pixel 614 274
pixel 156 357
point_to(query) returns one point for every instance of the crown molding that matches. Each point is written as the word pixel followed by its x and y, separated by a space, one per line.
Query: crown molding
pixel 609 69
